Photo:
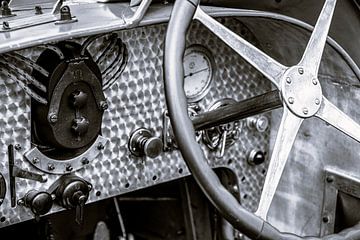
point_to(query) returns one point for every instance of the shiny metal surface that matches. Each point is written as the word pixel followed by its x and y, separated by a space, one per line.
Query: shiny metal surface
pixel 298 202
pixel 136 100
pixel 285 138
pixel 336 182
pixel 262 62
pixel 138 14
pixel 338 119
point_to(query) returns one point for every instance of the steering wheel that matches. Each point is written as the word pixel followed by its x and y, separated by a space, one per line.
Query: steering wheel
pixel 300 93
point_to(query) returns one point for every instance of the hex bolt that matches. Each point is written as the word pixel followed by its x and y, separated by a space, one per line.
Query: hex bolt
pixel 301 71
pixel 69 168
pixel 317 101
pixel 51 167
pixel 291 100
pixel 305 111
pixel 288 80
pixel 53 118
pixel 314 81
pixel 35 160
pixel 17 147
pixel 104 105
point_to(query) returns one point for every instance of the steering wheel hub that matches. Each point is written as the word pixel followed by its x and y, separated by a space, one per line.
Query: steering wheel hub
pixel 301 91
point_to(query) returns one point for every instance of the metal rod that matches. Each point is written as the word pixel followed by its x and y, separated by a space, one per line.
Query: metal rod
pixel 249 107
pixel 12 178
pixel 121 221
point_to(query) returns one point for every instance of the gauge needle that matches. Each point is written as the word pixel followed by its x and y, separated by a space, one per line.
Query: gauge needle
pixel 191 74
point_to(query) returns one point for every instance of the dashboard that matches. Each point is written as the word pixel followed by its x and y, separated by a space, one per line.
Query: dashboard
pixel 83 114
pixel 135 99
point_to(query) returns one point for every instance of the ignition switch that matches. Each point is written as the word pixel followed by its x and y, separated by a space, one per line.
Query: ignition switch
pixel 143 143
pixel 73 192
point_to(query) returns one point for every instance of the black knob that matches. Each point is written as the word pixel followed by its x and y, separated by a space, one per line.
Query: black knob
pixel 143 143
pixel 78 99
pixel 40 203
pixel 80 126
pixel 256 157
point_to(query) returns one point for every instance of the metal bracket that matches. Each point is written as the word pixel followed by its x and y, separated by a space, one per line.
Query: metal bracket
pixel 133 18
pixel 49 165
pixel 336 182
pixel 15 171
pixel 2 188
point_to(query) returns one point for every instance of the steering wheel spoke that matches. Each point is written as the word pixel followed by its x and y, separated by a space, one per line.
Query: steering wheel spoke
pixel 329 113
pixel 288 130
pixel 269 67
pixel 315 48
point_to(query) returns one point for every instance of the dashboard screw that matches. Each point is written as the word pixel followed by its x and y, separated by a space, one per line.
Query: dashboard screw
pixel 51 167
pixel 288 80
pixel 305 111
pixel 85 161
pixel 35 160
pixel 314 81
pixel 100 146
pixel 53 118
pixel 69 168
pixel 317 101
pixel 6 25
pixel 291 100
pixel 104 105
pixel 329 179
pixel 17 146
pixel 301 71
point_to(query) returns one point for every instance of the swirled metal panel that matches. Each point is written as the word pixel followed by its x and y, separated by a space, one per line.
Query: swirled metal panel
pixel 137 100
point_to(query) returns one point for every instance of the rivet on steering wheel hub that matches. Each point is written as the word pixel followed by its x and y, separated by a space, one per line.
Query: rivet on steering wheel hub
pixel 301 92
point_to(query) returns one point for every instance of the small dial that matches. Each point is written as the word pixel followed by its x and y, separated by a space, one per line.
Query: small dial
pixel 198 72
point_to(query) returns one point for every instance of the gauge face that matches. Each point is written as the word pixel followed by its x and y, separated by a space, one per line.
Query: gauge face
pixel 198 72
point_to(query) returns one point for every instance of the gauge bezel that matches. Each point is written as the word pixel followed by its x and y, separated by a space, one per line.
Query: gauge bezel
pixel 210 59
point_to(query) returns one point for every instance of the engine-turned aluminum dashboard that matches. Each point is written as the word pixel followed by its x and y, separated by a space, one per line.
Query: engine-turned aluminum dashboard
pixel 136 100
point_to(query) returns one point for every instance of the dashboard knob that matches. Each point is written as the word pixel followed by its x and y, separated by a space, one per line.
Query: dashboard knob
pixel 256 157
pixel 78 98
pixel 143 143
pixel 259 123
pixel 80 126
pixel 40 203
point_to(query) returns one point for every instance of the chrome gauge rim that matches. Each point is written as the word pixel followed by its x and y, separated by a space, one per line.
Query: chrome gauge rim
pixel 198 51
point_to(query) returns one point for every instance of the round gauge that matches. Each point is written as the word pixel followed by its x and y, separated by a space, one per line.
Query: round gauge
pixel 198 72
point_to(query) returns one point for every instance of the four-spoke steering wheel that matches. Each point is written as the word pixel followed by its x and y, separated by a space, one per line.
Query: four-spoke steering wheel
pixel 302 98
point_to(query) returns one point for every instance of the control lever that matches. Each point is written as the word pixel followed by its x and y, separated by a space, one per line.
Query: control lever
pixel 72 192
pixel 221 148
pixel 79 198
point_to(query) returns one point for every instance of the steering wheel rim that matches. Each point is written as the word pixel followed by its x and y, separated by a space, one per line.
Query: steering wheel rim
pixel 243 220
